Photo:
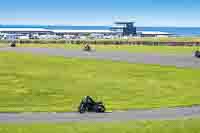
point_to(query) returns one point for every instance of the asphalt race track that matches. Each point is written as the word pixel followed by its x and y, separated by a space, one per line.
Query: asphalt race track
pixel 170 60
pixel 159 114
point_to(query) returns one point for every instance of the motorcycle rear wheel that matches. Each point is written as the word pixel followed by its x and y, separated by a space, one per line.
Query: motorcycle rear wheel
pixel 100 109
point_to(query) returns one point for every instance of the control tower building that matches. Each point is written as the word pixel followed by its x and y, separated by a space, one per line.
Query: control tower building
pixel 125 28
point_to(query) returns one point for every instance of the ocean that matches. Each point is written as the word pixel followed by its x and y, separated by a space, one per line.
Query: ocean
pixel 180 31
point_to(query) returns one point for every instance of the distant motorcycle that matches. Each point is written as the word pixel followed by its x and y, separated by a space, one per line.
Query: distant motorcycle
pixel 87 48
pixel 89 105
pixel 12 44
pixel 197 54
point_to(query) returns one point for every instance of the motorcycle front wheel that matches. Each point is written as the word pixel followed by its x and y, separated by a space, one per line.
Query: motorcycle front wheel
pixel 82 109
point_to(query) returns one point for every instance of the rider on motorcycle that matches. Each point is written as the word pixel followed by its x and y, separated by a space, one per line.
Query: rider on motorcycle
pixel 87 47
pixel 89 101
pixel 88 104
pixel 13 44
pixel 197 53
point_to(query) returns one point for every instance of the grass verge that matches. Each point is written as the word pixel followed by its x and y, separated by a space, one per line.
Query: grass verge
pixel 41 83
pixel 178 126
pixel 3 45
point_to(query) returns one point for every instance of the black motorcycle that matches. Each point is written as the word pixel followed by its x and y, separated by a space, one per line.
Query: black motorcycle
pixel 197 54
pixel 87 48
pixel 89 105
pixel 13 44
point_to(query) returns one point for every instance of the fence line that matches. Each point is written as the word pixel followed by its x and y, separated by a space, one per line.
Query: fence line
pixel 108 42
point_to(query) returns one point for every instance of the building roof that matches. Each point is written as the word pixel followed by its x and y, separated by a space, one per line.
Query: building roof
pixel 24 30
pixel 117 27
pixel 153 33
pixel 48 30
pixel 82 31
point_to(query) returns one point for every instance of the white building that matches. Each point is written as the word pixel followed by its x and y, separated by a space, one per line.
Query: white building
pixel 153 34
pixel 9 37
pixel 49 36
pixel 82 31
pixel 39 33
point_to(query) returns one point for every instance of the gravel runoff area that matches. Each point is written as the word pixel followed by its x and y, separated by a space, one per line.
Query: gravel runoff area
pixel 169 60
pixel 163 114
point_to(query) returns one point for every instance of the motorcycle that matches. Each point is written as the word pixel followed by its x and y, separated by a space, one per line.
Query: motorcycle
pixel 89 105
pixel 87 48
pixel 13 44
pixel 197 54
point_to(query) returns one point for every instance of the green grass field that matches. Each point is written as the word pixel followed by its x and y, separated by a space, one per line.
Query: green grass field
pixel 178 126
pixel 3 45
pixel 168 39
pixel 137 49
pixel 41 83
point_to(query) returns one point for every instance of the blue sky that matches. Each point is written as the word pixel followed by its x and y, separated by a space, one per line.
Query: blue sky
pixel 101 12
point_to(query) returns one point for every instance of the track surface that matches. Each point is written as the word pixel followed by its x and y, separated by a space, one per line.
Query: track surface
pixel 163 114
pixel 160 114
pixel 170 60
